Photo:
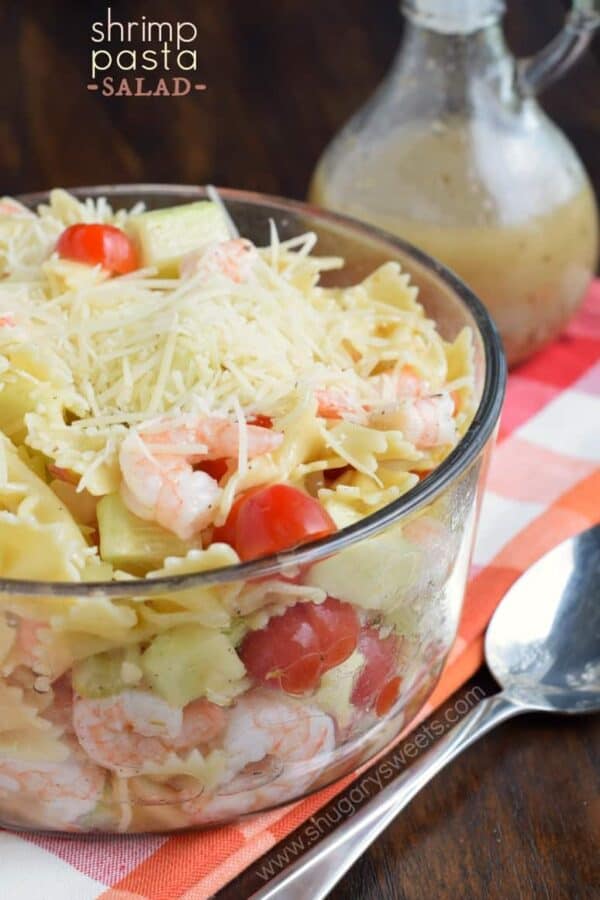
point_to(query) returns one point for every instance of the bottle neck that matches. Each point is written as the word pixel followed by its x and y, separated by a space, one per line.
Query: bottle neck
pixel 455 68
pixel 453 16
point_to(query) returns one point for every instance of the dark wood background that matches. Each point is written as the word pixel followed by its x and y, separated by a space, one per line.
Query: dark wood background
pixel 282 76
pixel 518 816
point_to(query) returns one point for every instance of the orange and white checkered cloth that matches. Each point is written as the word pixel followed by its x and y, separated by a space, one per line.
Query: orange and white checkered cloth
pixel 543 486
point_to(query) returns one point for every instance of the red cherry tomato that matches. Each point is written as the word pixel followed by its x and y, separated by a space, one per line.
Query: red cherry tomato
pixel 261 421
pixel 97 244
pixel 270 519
pixel 334 474
pixel 388 696
pixel 381 661
pixel 227 533
pixel 337 627
pixel 216 468
pixel 294 650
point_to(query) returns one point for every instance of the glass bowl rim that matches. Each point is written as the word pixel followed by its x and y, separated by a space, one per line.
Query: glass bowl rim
pixel 465 452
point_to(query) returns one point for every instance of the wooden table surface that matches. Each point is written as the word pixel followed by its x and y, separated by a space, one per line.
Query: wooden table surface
pixel 518 815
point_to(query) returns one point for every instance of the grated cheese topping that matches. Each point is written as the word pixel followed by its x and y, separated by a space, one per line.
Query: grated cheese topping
pixel 84 357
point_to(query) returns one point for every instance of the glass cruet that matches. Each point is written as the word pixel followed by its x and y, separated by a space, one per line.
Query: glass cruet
pixel 454 154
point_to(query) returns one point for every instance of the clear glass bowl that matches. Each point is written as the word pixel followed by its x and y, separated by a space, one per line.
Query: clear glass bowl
pixel 403 568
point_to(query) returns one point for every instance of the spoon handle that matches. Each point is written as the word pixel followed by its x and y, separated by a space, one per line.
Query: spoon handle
pixel 320 868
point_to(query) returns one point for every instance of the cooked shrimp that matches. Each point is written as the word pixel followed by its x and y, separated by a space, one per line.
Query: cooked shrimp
pixel 29 632
pixel 123 732
pixel 388 387
pixel 335 403
pixel 401 400
pixel 58 793
pixel 7 320
pixel 233 258
pixel 402 382
pixel 10 207
pixel 275 747
pixel 424 421
pixel 39 649
pixel 159 481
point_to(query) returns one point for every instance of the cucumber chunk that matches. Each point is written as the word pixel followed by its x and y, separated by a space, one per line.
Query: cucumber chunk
pixel 190 662
pixel 355 574
pixel 106 674
pixel 131 543
pixel 165 236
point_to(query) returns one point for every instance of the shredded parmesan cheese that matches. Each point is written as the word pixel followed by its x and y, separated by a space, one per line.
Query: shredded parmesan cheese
pixel 106 354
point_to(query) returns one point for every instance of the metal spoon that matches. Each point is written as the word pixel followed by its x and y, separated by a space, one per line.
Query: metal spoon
pixel 542 646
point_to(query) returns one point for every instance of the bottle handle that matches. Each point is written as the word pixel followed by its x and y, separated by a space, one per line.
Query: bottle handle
pixel 536 72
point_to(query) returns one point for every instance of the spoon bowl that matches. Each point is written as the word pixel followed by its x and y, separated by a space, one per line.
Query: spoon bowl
pixel 543 642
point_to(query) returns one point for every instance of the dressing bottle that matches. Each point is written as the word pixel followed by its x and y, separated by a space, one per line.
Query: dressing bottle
pixel 454 154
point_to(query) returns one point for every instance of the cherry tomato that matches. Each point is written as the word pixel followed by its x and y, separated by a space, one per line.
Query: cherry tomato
pixel 388 696
pixel 216 468
pixel 334 474
pixel 337 627
pixel 97 244
pixel 261 421
pixel 381 662
pixel 294 650
pixel 227 533
pixel 269 519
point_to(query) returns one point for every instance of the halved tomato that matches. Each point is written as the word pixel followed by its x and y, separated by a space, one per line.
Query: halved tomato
pixel 295 649
pixel 270 519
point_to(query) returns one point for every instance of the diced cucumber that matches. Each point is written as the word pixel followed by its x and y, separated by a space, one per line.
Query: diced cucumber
pixel 165 236
pixel 105 674
pixel 373 574
pixel 131 543
pixel 190 662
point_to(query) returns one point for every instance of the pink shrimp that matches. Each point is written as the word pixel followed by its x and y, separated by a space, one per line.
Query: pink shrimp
pixel 424 421
pixel 276 746
pixel 7 320
pixel 233 258
pixel 401 400
pixel 402 381
pixel 159 480
pixel 124 731
pixel 29 645
pixel 51 794
pixel 10 207
pixel 335 403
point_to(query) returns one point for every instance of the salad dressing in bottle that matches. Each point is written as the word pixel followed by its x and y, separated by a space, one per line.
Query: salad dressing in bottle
pixel 454 154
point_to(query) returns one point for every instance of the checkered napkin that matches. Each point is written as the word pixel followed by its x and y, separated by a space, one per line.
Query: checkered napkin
pixel 543 486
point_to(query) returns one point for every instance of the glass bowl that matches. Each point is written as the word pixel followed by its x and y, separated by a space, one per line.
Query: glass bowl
pixel 160 767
